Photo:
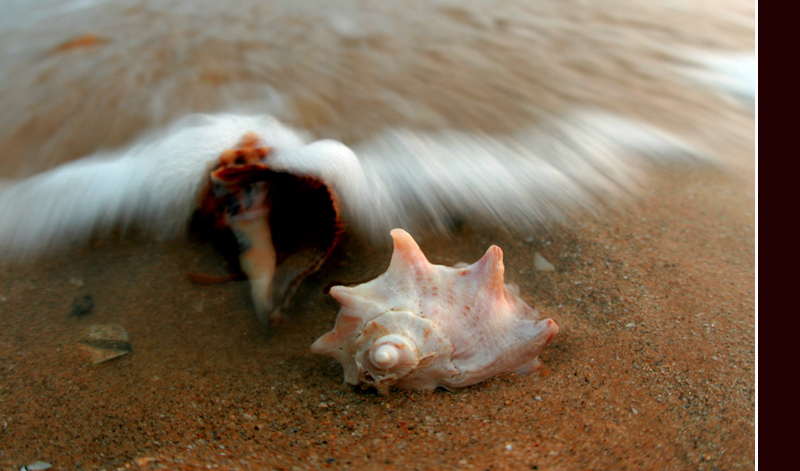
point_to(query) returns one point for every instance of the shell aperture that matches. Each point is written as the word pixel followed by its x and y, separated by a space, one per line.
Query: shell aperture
pixel 285 224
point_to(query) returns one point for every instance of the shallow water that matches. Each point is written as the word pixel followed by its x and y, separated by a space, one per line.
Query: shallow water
pixel 79 76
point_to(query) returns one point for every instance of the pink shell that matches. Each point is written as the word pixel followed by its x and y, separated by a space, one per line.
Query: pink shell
pixel 423 326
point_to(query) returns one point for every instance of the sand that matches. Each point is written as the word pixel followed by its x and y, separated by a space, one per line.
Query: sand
pixel 654 366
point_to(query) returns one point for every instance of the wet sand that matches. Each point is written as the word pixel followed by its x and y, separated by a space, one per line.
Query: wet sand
pixel 653 368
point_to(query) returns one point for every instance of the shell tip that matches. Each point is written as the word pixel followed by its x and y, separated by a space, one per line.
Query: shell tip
pixel 342 294
pixel 492 269
pixel 321 345
pixel 406 250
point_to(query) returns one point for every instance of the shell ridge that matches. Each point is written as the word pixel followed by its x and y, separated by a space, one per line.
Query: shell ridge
pixel 529 336
pixel 357 301
pixel 396 292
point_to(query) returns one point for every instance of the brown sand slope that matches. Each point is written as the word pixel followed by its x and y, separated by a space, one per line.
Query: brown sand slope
pixel 654 366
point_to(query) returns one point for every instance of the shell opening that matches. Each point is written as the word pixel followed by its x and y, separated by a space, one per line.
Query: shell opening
pixel 276 248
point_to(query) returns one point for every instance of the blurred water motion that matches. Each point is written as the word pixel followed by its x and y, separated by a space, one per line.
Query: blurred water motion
pixel 81 75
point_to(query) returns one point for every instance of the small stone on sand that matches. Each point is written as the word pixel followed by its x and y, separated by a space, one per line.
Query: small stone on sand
pixel 105 342
pixel 541 263
pixel 39 465
pixel 81 306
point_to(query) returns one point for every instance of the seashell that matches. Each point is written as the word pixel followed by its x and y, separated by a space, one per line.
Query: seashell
pixel 264 195
pixel 285 224
pixel 272 199
pixel 423 326
pixel 419 154
pixel 105 342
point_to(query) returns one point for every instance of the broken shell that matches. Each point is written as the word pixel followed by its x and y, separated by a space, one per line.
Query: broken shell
pixel 423 326
pixel 285 225
pixel 104 342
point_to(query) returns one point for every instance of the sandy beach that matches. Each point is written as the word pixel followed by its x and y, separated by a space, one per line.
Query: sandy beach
pixel 654 366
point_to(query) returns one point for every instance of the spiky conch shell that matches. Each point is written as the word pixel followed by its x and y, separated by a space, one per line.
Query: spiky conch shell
pixel 422 326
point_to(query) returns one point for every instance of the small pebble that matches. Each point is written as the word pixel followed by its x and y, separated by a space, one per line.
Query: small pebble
pixel 39 465
pixel 81 306
pixel 541 263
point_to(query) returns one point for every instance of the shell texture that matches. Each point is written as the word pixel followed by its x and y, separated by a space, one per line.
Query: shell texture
pixel 422 326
